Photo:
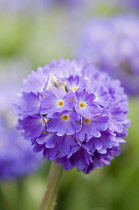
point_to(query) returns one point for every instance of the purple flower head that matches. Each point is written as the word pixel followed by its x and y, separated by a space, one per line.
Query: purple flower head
pixel 84 104
pixel 64 123
pixel 76 82
pixel 80 117
pixel 112 45
pixel 56 101
pixel 91 127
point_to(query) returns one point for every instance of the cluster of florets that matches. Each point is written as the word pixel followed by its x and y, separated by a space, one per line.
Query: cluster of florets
pixel 112 44
pixel 16 156
pixel 73 113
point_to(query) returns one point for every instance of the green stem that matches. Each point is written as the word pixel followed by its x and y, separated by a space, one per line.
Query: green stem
pixel 54 178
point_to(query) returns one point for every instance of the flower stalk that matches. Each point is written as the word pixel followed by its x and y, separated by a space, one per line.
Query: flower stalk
pixel 50 196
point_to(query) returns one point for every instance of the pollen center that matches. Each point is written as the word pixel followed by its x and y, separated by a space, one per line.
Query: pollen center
pixel 87 120
pixel 60 103
pixel 82 104
pixel 74 89
pixel 64 117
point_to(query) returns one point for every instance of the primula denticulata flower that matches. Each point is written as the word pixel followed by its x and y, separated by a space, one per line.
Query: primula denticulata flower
pixel 73 113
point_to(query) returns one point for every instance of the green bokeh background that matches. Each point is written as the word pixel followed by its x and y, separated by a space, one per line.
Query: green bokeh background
pixel 36 40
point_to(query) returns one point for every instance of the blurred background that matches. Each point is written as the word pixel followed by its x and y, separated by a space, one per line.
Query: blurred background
pixel 32 33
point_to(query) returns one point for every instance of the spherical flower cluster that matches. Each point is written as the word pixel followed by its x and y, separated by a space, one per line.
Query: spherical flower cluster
pixel 112 44
pixel 73 113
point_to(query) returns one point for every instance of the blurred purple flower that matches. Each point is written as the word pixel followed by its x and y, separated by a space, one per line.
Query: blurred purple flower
pixel 73 124
pixel 16 154
pixel 29 6
pixel 112 44
pixel 70 3
pixel 67 3
pixel 130 4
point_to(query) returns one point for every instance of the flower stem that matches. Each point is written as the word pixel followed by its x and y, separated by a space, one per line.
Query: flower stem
pixel 54 178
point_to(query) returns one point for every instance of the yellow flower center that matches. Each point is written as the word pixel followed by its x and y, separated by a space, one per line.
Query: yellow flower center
pixel 74 89
pixel 64 117
pixel 60 103
pixel 87 120
pixel 82 104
